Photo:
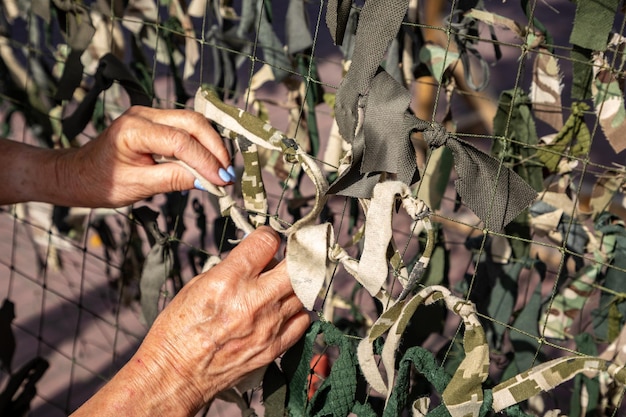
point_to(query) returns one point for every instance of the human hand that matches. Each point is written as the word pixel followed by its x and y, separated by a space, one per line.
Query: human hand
pixel 117 168
pixel 223 324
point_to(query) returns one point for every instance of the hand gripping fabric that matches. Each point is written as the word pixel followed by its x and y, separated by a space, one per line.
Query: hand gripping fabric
pixel 312 251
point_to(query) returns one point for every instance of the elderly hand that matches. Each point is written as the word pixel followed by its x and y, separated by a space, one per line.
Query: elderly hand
pixel 222 325
pixel 117 168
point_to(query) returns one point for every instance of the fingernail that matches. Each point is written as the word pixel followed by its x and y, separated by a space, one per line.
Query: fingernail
pixel 197 184
pixel 231 172
pixel 224 175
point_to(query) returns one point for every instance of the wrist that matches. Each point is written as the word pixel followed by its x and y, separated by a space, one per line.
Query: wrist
pixel 166 391
pixel 142 388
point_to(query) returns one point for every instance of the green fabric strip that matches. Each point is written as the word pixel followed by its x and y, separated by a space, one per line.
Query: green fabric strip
pixel 582 73
pixel 593 23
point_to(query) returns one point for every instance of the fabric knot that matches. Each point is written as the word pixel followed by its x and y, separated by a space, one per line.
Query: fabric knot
pixel 436 136
pixel 162 240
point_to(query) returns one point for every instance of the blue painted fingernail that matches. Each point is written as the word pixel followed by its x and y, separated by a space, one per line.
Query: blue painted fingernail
pixel 231 172
pixel 198 185
pixel 224 175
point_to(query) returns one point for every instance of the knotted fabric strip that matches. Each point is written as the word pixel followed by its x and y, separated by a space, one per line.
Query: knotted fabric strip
pixel 463 395
pixel 379 23
pixel 233 122
pixel 382 143
pixel 493 192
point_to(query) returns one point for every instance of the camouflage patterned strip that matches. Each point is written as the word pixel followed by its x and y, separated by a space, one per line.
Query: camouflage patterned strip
pixel 252 188
pixel 237 120
pixel 226 202
pixel 568 304
pixel 608 97
pixel 546 376
pixel 546 88
pixel 233 122
pixel 463 396
pixel 438 59
pixel 604 190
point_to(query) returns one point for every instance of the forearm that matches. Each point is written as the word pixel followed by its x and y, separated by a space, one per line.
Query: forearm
pixel 141 388
pixel 29 173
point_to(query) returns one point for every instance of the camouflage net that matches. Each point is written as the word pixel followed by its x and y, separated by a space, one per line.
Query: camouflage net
pixel 447 184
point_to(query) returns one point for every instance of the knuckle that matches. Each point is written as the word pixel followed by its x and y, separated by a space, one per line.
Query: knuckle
pixel 197 117
pixel 178 141
pixel 135 111
pixel 266 237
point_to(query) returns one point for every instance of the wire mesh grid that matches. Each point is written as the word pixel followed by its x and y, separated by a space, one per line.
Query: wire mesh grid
pixel 72 274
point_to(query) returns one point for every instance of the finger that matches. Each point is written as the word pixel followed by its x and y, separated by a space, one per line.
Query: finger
pixel 271 265
pixel 163 137
pixel 180 145
pixel 193 122
pixel 164 178
pixel 277 279
pixel 254 252
pixel 291 332
pixel 290 305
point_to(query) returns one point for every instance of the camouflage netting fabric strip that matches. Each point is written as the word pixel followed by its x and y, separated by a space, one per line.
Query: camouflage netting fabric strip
pixel 372 114
pixel 463 396
pixel 312 252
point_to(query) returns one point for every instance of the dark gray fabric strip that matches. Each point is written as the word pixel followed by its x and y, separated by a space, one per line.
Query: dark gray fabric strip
pixel 75 22
pixel 372 111
pixel 493 192
pixel 388 147
pixel 337 14
pixel 297 28
pixel 379 23
pixel 383 143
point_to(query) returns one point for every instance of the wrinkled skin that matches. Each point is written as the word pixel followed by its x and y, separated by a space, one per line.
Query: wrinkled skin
pixel 120 162
pixel 117 168
pixel 223 324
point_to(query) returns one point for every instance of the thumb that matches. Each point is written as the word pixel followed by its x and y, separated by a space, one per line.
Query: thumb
pixel 256 251
pixel 165 178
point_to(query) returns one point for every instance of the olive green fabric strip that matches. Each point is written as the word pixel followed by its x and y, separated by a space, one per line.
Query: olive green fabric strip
pixel 593 23
pixel 582 72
